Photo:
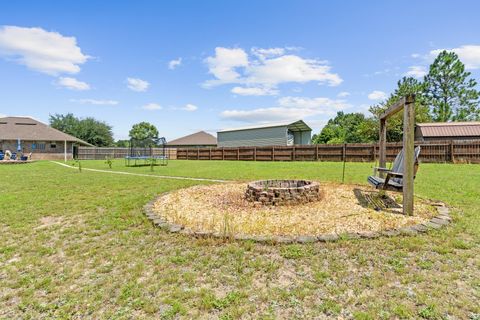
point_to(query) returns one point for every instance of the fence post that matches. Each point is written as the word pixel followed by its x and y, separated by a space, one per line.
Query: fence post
pixel 373 154
pixel 198 153
pixel 273 153
pixel 209 153
pixel 187 154
pixel 238 153
pixel 294 155
pixel 316 152
pixel 344 152
pixel 223 153
pixel 254 153
pixel 452 154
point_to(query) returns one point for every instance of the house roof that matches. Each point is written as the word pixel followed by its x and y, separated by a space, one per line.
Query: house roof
pixel 27 128
pixel 449 129
pixel 298 125
pixel 199 138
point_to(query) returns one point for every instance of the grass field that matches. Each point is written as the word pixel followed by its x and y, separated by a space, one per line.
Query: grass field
pixel 77 245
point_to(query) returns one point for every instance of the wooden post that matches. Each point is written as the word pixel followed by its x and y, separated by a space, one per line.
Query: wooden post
pixel 316 152
pixel 344 152
pixel 198 153
pixel 254 153
pixel 452 150
pixel 409 154
pixel 382 146
pixel 65 151
pixel 187 154
pixel 223 153
pixel 238 154
pixel 294 155
pixel 373 154
pixel 273 153
pixel 209 153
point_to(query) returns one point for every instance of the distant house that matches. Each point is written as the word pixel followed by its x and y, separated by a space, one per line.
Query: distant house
pixel 273 134
pixel 199 139
pixel 27 135
pixel 447 131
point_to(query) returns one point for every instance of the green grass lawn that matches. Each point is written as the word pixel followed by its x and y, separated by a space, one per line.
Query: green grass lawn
pixel 77 245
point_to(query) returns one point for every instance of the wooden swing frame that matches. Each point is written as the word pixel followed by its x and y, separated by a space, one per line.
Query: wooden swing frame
pixel 406 103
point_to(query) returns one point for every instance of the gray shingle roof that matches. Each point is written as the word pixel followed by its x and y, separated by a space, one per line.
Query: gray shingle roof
pixel 26 128
pixel 200 138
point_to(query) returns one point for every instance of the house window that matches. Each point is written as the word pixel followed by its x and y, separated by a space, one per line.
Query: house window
pixel 53 145
pixel 41 146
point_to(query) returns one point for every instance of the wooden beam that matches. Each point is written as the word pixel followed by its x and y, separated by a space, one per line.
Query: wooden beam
pixel 409 154
pixel 396 107
pixel 382 144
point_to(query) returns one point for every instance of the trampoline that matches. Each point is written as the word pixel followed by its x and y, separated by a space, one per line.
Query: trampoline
pixel 142 153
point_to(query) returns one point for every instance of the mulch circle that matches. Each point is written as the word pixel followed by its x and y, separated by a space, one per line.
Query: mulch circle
pixel 439 219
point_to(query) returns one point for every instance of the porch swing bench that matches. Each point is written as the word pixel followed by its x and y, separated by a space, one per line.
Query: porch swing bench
pixel 393 180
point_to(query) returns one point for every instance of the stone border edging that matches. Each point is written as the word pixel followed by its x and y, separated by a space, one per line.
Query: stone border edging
pixel 441 219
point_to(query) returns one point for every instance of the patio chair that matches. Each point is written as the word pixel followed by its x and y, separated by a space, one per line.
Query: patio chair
pixel 26 157
pixel 394 176
pixel 13 156
pixel 2 155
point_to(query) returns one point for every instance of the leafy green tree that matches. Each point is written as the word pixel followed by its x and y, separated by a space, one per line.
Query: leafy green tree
pixel 145 134
pixel 90 130
pixel 122 143
pixel 450 93
pixel 95 132
pixel 66 123
pixel 405 86
pixel 344 128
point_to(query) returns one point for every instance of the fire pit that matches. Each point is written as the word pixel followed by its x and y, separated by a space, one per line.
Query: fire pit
pixel 282 192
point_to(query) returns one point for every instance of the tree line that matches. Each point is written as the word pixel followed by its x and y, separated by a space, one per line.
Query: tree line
pixel 447 93
pixel 100 133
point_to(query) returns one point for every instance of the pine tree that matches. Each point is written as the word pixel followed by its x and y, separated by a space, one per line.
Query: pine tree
pixel 449 92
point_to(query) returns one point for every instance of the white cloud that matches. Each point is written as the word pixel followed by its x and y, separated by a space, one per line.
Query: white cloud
pixel 266 53
pixel 312 103
pixel 223 65
pixel 254 91
pixel 41 50
pixel 289 108
pixel 95 102
pixel 291 68
pixel 73 84
pixel 152 106
pixel 343 94
pixel 266 69
pixel 190 107
pixel 415 55
pixel 174 63
pixel 377 95
pixel 416 71
pixel 468 54
pixel 138 85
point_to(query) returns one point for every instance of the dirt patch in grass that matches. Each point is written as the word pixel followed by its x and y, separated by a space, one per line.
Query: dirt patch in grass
pixel 342 209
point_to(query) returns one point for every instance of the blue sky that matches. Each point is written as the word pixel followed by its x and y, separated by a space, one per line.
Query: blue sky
pixel 206 65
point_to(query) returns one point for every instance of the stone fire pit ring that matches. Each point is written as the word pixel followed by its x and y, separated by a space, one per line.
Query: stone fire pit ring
pixel 282 192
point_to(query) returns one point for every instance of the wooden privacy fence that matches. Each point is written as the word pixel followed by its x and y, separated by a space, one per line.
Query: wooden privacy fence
pixel 100 153
pixel 441 151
